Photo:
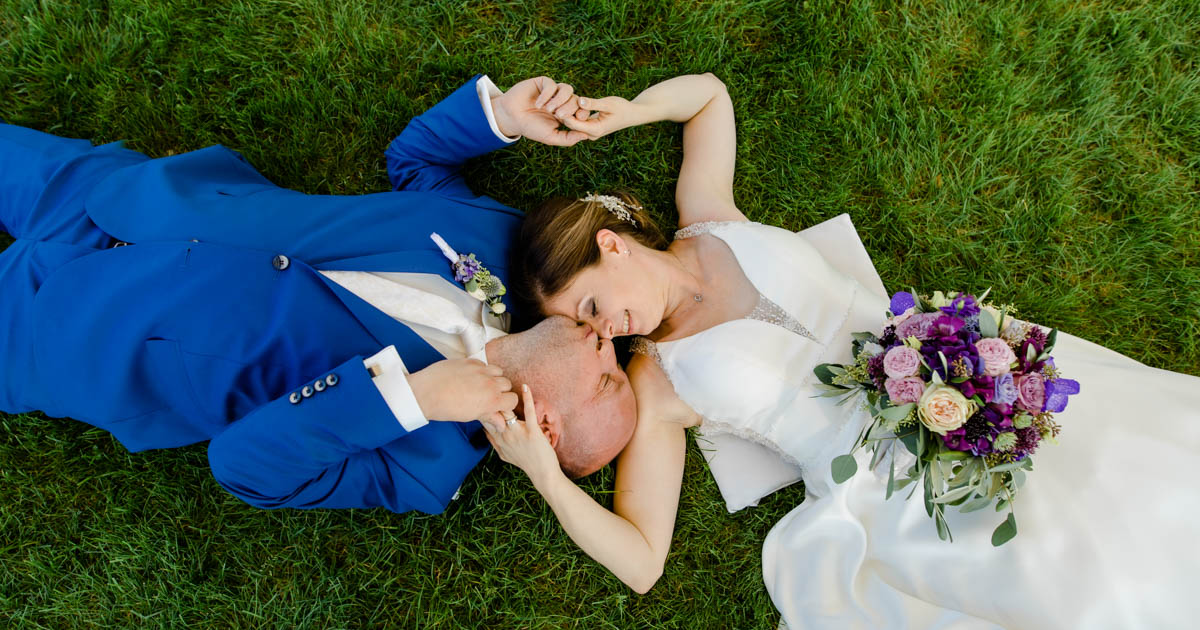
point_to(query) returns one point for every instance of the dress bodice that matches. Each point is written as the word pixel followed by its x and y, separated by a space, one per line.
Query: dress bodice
pixel 752 377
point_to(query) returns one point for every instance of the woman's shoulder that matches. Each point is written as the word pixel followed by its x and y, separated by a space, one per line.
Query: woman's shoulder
pixel 656 397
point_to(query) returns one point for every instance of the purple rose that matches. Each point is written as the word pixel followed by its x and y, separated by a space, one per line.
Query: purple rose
pixel 901 361
pixel 1031 392
pixel 1005 389
pixel 918 326
pixel 904 390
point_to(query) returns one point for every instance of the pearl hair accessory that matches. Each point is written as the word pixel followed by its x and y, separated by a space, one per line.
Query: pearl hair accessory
pixel 614 205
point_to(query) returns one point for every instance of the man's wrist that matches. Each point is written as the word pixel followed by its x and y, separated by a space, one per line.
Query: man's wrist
pixel 504 122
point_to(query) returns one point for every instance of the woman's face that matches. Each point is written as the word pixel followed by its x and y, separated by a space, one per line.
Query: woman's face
pixel 616 296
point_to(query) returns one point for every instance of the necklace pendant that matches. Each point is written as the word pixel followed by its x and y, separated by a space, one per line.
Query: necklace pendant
pixel 698 297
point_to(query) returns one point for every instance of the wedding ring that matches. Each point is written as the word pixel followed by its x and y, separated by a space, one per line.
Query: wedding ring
pixel 510 418
pixel 510 421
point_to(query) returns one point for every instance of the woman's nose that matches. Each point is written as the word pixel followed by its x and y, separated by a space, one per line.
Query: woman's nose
pixel 606 329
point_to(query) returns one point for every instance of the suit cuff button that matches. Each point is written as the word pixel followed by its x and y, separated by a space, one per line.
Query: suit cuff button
pixel 294 398
pixel 319 385
pixel 306 391
pixel 331 380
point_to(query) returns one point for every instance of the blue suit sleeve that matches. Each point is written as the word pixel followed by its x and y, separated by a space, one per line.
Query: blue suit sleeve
pixel 429 153
pixel 328 451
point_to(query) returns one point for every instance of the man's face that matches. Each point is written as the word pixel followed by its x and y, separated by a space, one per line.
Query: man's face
pixel 567 364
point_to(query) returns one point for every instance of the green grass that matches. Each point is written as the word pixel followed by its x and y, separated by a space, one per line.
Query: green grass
pixel 1048 150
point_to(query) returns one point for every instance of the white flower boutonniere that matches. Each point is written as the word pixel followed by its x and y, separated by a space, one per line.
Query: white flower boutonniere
pixel 475 278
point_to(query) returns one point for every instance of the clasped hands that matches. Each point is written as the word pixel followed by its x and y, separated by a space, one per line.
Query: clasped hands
pixel 540 108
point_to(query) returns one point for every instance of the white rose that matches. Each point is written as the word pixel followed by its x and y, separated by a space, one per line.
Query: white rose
pixel 943 408
pixel 498 308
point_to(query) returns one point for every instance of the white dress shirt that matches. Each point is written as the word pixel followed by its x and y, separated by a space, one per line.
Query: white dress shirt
pixel 440 312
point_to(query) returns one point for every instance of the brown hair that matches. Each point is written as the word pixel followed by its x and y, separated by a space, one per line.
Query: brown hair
pixel 558 240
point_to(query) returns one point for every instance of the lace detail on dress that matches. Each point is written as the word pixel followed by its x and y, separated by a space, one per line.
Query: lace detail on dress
pixel 703 227
pixel 772 313
pixel 717 426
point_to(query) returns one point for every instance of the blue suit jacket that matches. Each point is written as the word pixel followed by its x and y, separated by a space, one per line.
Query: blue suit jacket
pixel 192 333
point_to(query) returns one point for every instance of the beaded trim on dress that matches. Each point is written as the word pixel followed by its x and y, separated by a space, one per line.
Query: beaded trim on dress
pixel 765 310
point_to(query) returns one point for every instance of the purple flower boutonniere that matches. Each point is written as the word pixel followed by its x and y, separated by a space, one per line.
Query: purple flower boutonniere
pixel 475 278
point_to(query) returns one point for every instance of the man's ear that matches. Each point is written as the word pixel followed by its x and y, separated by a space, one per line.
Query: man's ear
pixel 610 242
pixel 550 421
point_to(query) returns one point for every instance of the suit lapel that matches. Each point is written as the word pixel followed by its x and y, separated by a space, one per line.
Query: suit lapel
pixel 416 352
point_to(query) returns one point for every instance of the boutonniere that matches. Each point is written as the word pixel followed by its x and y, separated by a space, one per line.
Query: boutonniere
pixel 475 278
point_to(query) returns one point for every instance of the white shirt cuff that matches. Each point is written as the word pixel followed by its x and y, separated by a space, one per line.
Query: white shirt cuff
pixel 391 379
pixel 486 91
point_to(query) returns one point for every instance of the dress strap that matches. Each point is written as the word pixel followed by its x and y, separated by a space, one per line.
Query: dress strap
pixel 768 311
pixel 703 227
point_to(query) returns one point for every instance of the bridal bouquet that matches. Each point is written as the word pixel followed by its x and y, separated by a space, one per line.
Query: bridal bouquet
pixel 969 392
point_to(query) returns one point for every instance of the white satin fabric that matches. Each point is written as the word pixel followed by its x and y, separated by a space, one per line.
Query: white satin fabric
pixel 1106 519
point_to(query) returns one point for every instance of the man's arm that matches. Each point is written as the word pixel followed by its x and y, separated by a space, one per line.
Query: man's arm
pixel 336 441
pixel 475 119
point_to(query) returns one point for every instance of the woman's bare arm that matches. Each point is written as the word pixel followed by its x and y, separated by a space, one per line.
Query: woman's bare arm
pixel 633 540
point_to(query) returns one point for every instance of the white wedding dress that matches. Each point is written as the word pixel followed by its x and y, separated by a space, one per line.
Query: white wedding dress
pixel 1106 520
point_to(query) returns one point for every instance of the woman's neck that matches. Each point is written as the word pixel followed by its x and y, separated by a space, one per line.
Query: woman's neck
pixel 684 284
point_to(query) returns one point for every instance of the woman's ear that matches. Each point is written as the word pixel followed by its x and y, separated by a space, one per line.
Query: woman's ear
pixel 610 242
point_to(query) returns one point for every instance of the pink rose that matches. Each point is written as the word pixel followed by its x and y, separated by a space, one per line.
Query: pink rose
pixel 904 390
pixel 901 361
pixel 918 325
pixel 996 354
pixel 1031 392
pixel 899 319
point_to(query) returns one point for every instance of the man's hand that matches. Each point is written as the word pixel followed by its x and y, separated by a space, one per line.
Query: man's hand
pixel 462 390
pixel 534 108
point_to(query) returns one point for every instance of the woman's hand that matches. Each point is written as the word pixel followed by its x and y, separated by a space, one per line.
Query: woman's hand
pixel 523 443
pixel 598 117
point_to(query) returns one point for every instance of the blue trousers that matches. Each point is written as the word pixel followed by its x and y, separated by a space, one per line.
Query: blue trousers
pixel 44 182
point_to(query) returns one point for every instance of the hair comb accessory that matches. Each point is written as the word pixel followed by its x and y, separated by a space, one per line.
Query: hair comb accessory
pixel 621 209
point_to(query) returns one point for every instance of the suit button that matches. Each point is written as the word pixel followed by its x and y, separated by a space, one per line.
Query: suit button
pixel 319 385
pixel 306 391
pixel 331 380
pixel 294 398
pixel 280 262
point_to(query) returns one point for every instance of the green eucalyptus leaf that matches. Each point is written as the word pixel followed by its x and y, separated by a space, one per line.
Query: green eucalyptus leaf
pixel 891 487
pixel 1005 531
pixel 911 441
pixel 824 373
pixel 978 503
pixel 1051 340
pixel 1007 467
pixel 942 529
pixel 843 468
pixel 954 494
pixel 988 326
pixel 896 414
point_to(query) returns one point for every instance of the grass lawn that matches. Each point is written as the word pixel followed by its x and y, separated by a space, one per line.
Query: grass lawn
pixel 1048 150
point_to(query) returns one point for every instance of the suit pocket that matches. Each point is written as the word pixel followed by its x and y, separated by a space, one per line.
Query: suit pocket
pixel 172 380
